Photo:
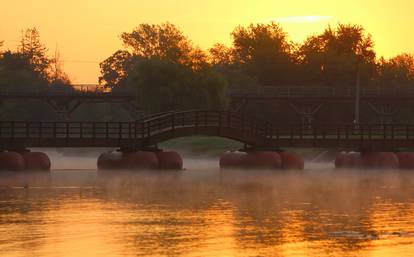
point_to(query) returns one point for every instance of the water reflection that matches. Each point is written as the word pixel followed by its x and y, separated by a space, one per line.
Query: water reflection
pixel 205 212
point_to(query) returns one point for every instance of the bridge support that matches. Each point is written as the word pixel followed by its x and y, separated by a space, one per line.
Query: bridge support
pixel 64 108
pixel 140 160
pixel 307 111
pixel 25 160
pixel 237 105
pixel 374 160
pixel 261 160
pixel 385 112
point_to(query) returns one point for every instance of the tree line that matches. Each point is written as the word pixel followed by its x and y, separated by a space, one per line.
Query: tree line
pixel 167 71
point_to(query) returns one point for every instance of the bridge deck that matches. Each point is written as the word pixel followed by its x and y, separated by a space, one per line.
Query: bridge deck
pixel 158 128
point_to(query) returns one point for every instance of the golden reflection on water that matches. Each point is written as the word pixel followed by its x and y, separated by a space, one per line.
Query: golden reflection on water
pixel 208 213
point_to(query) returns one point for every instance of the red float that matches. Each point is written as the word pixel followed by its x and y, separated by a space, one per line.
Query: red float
pixel 380 160
pixel 292 161
pixel 140 160
pixel 110 161
pixel 232 160
pixel 351 160
pixel 11 161
pixel 406 160
pixel 37 161
pixel 169 160
pixel 262 160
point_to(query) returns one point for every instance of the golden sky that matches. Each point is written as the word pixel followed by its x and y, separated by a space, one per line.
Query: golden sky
pixel 87 31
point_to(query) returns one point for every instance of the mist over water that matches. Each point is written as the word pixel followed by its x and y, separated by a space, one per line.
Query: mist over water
pixel 203 211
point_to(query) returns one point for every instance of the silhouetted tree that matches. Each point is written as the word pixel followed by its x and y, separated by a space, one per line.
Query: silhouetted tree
pixel 162 85
pixel 57 75
pixel 397 71
pixel 166 72
pixel 220 54
pixel 115 68
pixel 264 52
pixel 333 57
pixel 164 41
pixel 35 51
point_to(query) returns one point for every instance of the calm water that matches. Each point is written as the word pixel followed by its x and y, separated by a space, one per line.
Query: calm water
pixel 205 212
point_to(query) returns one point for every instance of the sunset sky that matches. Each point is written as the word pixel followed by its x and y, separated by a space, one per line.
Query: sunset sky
pixel 87 31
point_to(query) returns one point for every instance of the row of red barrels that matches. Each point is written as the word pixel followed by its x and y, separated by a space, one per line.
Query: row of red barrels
pixel 375 160
pixel 14 161
pixel 140 160
pixel 262 160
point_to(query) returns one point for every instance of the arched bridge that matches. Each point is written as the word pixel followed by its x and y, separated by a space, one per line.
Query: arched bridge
pixel 157 128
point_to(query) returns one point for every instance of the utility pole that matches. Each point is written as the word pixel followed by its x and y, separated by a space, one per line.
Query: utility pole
pixel 357 94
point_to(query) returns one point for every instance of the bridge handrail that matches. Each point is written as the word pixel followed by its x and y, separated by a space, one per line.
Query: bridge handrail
pixel 321 91
pixel 201 119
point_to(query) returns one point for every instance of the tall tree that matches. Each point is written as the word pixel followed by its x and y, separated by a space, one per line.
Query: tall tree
pixel 115 68
pixel 220 54
pixel 35 51
pixel 164 41
pixel 264 52
pixel 397 71
pixel 334 57
pixel 57 75
pixel 163 68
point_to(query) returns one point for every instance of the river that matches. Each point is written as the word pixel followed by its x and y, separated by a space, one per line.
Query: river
pixel 203 211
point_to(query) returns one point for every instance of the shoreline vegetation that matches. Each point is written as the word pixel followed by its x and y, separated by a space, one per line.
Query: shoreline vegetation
pixel 166 71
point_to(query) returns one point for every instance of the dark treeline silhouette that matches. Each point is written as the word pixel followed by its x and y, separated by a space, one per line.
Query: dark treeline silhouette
pixel 30 69
pixel 166 71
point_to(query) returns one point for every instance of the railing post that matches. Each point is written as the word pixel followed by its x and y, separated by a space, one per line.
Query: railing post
pixel 106 130
pixel 196 121
pixel 12 129
pixel 54 130
pixel 242 125
pixel 369 132
pixel 219 123
pixel 407 132
pixel 93 131
pixel 173 122
pixel 338 133
pixel 81 129
pixel 27 129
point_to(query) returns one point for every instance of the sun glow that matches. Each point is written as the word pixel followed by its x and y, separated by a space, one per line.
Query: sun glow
pixel 93 35
pixel 302 19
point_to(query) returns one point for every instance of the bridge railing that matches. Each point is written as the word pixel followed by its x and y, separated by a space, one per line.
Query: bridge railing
pixel 201 119
pixel 320 92
pixel 198 121
pixel 343 131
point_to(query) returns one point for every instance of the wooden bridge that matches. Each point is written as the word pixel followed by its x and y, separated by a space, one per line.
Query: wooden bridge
pixel 67 100
pixel 306 101
pixel 155 129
